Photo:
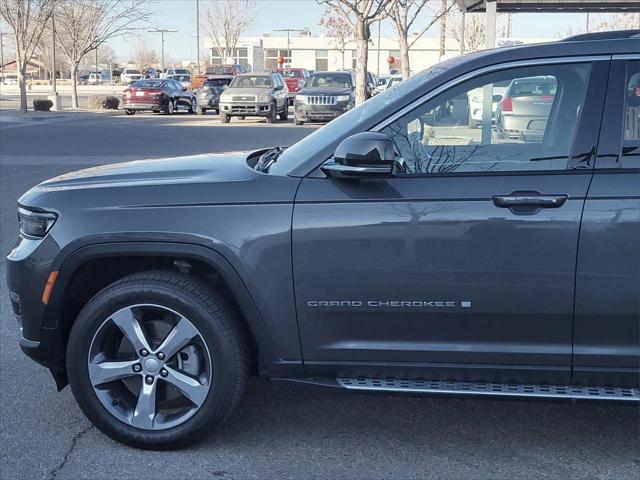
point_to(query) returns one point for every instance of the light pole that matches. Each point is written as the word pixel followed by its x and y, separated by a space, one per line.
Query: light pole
pixel 198 37
pixel 379 35
pixel 289 30
pixel 162 31
pixel 53 54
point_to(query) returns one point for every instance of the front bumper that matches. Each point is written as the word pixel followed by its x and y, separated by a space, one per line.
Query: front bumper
pixel 251 109
pixel 319 112
pixel 28 267
pixel 208 102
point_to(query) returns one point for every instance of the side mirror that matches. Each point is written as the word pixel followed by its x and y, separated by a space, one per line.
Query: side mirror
pixel 365 154
pixel 278 87
pixel 496 98
pixel 184 89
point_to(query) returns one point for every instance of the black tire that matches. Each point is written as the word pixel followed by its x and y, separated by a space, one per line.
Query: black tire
pixel 169 107
pixel 284 114
pixel 273 115
pixel 131 112
pixel 202 111
pixel 224 118
pixel 215 319
pixel 193 107
pixel 242 117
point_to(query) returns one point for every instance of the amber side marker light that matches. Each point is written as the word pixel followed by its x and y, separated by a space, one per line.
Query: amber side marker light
pixel 46 293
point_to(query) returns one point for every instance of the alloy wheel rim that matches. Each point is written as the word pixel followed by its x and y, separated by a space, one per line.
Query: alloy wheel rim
pixel 150 367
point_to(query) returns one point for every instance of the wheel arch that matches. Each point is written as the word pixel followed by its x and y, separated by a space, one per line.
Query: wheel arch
pixel 88 269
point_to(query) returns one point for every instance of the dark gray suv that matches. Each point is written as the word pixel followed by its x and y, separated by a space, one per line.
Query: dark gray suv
pixel 395 249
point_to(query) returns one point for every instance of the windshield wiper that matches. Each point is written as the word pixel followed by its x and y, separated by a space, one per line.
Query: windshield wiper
pixel 268 158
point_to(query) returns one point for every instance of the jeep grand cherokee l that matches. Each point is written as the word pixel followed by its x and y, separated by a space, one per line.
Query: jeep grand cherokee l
pixel 391 250
pixel 324 96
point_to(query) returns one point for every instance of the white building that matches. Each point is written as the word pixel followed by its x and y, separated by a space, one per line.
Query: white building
pixel 322 53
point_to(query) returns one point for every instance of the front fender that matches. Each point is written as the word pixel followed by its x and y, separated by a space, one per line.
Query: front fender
pixel 274 359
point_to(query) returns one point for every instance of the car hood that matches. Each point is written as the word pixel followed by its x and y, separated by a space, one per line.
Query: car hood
pixel 324 91
pixel 246 91
pixel 209 178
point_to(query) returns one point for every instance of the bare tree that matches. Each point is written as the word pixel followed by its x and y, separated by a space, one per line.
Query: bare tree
pixel 619 21
pixel 226 21
pixel 144 55
pixel 475 33
pixel 27 20
pixel 338 28
pixel 84 25
pixel 361 14
pixel 404 14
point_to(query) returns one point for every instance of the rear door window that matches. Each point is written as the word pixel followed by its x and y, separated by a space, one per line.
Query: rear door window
pixel 631 135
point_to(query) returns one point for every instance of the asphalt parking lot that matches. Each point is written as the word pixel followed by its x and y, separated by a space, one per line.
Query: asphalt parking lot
pixel 279 431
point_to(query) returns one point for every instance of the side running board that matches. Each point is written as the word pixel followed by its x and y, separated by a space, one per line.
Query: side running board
pixel 500 389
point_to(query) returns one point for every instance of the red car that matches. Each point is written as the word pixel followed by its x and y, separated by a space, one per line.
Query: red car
pixel 295 78
pixel 158 95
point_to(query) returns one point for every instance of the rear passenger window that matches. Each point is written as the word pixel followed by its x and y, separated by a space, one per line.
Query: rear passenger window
pixel 631 138
pixel 520 119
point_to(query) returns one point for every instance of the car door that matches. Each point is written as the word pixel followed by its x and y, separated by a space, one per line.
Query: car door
pixel 461 265
pixel 280 90
pixel 607 318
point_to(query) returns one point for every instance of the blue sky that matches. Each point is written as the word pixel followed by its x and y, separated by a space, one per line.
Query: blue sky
pixel 275 14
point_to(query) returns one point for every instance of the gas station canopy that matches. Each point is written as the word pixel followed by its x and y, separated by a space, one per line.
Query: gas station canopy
pixel 541 6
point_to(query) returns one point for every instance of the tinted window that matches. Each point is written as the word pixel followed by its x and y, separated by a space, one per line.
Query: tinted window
pixel 148 84
pixel 219 70
pixel 252 82
pixel 631 138
pixel 481 126
pixel 216 82
pixel 329 80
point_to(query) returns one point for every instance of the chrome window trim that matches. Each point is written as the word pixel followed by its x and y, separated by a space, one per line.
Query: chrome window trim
pixel 484 70
pixel 627 56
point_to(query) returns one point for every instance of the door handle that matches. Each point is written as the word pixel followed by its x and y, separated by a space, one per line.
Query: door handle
pixel 529 200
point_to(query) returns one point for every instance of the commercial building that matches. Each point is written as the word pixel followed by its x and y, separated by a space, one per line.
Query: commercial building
pixel 325 53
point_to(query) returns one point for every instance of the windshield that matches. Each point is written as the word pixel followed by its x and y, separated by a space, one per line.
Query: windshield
pixel 219 70
pixel 132 72
pixel 261 81
pixel 329 80
pixel 335 129
pixel 148 84
pixel 216 82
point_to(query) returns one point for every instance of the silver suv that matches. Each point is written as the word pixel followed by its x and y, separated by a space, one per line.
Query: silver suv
pixel 255 95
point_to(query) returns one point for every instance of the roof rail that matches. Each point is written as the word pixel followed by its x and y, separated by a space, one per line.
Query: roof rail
pixel 613 35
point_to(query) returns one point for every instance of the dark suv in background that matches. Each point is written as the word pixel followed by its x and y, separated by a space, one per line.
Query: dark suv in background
pixel 324 96
pixel 391 250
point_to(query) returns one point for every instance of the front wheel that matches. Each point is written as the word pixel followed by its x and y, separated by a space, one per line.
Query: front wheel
pixel 169 107
pixel 131 112
pixel 284 115
pixel 273 114
pixel 193 107
pixel 157 360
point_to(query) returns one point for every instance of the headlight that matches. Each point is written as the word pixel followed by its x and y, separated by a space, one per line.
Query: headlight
pixel 265 98
pixel 343 98
pixel 35 224
pixel 301 98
